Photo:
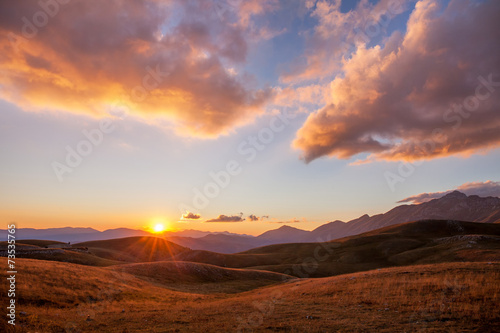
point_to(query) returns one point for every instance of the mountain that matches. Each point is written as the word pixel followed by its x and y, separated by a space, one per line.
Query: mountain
pixel 412 243
pixel 78 235
pixel 67 234
pixel 453 206
pixel 222 243
pixel 421 242
pixel 284 234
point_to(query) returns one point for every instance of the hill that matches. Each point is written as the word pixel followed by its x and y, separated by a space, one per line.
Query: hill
pixel 284 234
pixel 422 242
pixel 425 298
pixel 419 242
pixel 134 249
pixel 222 243
pixel 55 251
pixel 202 278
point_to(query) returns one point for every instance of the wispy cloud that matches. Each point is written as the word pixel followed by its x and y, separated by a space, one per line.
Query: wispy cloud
pixel 483 189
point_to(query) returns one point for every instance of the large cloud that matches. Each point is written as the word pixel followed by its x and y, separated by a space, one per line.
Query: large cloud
pixel 396 101
pixel 482 189
pixel 90 55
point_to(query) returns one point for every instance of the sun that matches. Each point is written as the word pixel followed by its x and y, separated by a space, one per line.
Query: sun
pixel 159 227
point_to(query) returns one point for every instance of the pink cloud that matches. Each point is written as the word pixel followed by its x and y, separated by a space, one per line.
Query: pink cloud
pixel 168 60
pixel 397 101
pixel 483 189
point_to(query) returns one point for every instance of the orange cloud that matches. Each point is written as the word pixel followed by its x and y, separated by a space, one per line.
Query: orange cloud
pixel 431 93
pixel 123 54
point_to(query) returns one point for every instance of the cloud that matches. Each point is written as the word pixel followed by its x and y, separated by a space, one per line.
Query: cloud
pixel 177 64
pixel 226 218
pixel 191 216
pixel 410 98
pixel 337 34
pixel 483 189
pixel 254 218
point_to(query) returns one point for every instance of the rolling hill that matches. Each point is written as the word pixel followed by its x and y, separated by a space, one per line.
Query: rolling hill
pixel 447 297
pixel 422 242
pixel 202 278
pixel 134 249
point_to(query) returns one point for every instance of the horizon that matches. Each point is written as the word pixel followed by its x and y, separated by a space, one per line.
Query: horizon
pixel 166 233
pixel 243 116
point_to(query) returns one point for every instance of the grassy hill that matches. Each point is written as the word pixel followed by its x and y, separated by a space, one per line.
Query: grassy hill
pixel 134 249
pixel 202 278
pixel 411 243
pixel 37 242
pixel 56 251
pixel 422 242
pixel 432 298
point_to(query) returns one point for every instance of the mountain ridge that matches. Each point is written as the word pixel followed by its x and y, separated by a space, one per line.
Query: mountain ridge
pixel 452 206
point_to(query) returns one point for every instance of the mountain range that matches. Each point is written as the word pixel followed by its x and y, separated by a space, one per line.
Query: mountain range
pixel 453 206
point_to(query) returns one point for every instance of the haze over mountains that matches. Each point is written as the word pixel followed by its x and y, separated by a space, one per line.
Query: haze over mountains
pixel 453 206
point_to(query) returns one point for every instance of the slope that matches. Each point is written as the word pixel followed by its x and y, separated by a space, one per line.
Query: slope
pixel 428 241
pixel 134 249
pixel 426 298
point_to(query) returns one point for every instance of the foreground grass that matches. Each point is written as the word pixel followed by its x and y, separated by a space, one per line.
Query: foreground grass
pixel 454 297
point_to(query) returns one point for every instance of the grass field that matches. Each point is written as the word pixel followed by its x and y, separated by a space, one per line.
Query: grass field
pixel 427 276
pixel 460 297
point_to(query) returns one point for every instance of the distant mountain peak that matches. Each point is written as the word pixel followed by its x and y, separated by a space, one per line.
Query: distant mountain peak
pixel 284 227
pixel 455 195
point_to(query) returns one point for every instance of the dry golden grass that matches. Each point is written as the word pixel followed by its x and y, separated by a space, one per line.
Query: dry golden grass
pixel 201 278
pixel 451 297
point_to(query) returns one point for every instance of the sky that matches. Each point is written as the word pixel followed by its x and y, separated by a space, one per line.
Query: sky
pixel 243 115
